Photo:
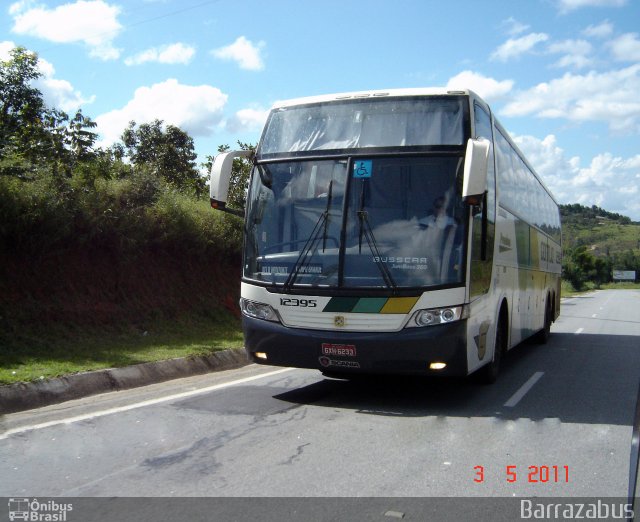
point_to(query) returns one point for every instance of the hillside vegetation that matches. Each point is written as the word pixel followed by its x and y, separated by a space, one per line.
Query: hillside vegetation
pixel 596 242
pixel 107 256
pixel 131 261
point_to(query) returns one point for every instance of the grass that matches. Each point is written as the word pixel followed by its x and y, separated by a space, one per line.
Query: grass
pixel 627 285
pixel 36 355
pixel 568 291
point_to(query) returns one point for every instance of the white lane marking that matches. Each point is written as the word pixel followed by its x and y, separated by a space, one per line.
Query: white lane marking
pixel 149 402
pixel 579 331
pixel 517 396
pixel 594 315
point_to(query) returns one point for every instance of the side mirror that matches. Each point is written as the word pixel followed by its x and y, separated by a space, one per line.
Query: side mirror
pixel 220 177
pixel 476 161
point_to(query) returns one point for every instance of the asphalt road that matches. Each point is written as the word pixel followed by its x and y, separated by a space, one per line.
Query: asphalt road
pixel 556 424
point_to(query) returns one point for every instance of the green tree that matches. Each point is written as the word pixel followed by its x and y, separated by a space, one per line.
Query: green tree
pixel 627 260
pixel 601 271
pixel 32 135
pixel 54 142
pixel 21 104
pixel 167 151
pixel 81 140
pixel 580 266
pixel 22 110
pixel 577 267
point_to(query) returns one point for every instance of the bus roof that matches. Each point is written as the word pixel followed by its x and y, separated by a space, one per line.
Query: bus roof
pixel 381 93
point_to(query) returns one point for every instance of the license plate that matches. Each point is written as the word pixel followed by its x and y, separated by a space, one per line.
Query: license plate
pixel 339 350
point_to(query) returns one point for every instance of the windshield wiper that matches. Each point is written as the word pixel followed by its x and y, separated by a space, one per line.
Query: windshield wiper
pixel 311 244
pixel 360 210
pixel 365 229
pixel 265 176
pixel 326 218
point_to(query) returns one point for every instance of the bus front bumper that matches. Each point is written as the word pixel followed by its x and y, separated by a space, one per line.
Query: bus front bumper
pixel 409 351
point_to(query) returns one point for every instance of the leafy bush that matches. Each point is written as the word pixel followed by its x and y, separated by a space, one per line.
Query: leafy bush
pixel 34 216
pixel 127 215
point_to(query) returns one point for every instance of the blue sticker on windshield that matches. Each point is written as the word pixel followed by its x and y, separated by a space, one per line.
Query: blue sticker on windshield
pixel 362 168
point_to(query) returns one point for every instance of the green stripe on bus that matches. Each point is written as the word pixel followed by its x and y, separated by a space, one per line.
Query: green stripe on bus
pixel 341 304
pixel 370 305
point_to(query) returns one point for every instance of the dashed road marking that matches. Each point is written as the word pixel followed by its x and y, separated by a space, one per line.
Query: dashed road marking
pixel 517 396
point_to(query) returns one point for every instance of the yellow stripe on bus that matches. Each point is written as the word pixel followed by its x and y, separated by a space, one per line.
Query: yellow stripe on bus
pixel 399 305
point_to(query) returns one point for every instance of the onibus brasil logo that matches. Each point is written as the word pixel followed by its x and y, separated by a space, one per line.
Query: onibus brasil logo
pixel 33 510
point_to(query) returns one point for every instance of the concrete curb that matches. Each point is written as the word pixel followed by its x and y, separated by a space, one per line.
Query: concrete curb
pixel 26 396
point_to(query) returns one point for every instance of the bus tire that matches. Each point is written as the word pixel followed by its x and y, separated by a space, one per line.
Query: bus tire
pixel 335 375
pixel 543 335
pixel 489 373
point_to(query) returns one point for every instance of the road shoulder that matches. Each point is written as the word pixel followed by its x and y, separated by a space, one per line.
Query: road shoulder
pixel 26 396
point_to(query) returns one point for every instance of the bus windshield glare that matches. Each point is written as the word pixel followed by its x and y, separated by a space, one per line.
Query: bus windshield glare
pixel 404 222
pixel 355 124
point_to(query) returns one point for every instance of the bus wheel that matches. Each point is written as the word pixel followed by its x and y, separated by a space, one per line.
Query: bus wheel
pixel 543 335
pixel 489 373
pixel 335 375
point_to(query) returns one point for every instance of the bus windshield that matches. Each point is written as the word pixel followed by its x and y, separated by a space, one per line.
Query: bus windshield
pixel 401 225
pixel 362 123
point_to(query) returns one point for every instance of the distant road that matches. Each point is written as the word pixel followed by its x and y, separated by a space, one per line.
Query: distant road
pixel 560 414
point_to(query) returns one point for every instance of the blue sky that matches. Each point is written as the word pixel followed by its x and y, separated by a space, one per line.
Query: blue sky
pixel 563 76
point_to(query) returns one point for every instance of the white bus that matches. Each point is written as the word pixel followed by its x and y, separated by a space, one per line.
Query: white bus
pixel 393 232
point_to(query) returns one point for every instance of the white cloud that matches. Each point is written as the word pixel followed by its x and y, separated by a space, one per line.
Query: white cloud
pixel 609 97
pixel 514 27
pixel 575 53
pixel 55 92
pixel 46 68
pixel 177 53
pixel 18 7
pixel 566 6
pixel 247 120
pixel 601 30
pixel 58 93
pixel 5 48
pixel 515 47
pixel 243 52
pixel 626 47
pixel 196 109
pixel 607 181
pixel 487 88
pixel 61 94
pixel 93 22
pixel 550 163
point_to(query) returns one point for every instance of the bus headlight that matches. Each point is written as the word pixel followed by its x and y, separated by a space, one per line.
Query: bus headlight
pixel 435 316
pixel 259 310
